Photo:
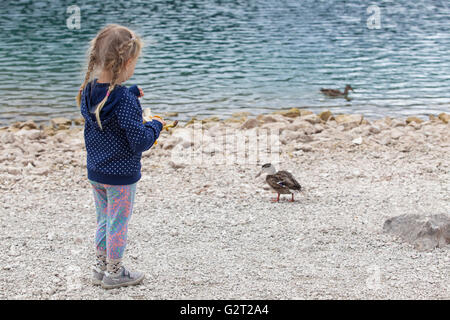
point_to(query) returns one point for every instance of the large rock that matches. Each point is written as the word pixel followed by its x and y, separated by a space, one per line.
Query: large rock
pixel 311 118
pixel 349 121
pixel 374 130
pixel 250 124
pixel 291 113
pixel 235 120
pixel 78 121
pixel 7 137
pixel 413 119
pixel 210 119
pixel 191 121
pixel 325 115
pixel 177 164
pixel 274 126
pixel 305 112
pixel 241 114
pixel 357 141
pixel 47 131
pixel 28 125
pixel 396 133
pixel 61 123
pixel 300 124
pixel 170 143
pixel 266 118
pixel 397 123
pixel 288 136
pixel 444 117
pixel 423 232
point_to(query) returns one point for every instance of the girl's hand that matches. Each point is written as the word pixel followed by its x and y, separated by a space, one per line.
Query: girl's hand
pixel 141 93
pixel 156 118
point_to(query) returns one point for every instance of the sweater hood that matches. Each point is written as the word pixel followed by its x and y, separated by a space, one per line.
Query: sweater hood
pixel 93 94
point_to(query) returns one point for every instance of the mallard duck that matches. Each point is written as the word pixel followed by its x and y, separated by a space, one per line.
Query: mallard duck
pixel 282 182
pixel 336 92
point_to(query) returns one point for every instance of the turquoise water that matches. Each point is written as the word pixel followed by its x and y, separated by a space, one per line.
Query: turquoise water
pixel 217 57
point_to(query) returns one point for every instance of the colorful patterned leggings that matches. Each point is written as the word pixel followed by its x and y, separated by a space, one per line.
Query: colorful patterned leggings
pixel 114 205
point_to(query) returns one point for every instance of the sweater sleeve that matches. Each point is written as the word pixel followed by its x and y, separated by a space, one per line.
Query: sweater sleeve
pixel 134 89
pixel 129 114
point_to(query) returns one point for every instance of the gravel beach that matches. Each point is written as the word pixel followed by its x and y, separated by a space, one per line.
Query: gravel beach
pixel 209 230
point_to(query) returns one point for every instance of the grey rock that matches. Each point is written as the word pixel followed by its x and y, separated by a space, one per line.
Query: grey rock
pixel 374 129
pixel 177 165
pixel 423 232
pixel 311 118
pixel 7 137
pixel 357 141
pixel 395 133
pixel 250 124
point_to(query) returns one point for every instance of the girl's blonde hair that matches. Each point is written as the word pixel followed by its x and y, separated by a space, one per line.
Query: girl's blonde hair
pixel 110 50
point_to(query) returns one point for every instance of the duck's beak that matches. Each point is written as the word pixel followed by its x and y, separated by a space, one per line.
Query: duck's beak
pixel 258 174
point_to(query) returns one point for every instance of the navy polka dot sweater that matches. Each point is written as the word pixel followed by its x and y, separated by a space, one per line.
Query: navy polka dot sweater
pixel 114 153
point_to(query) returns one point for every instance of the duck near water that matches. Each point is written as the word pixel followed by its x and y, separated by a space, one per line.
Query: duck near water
pixel 282 182
pixel 335 93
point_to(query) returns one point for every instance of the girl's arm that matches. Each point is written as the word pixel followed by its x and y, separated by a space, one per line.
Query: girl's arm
pixel 141 137
pixel 136 91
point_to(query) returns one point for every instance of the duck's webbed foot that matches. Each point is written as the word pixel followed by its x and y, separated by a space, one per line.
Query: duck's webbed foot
pixel 277 199
pixel 292 200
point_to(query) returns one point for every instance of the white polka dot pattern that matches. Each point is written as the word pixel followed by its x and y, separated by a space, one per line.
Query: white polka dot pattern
pixel 116 150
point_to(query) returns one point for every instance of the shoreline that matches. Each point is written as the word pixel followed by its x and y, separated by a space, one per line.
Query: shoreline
pixel 209 230
pixel 79 121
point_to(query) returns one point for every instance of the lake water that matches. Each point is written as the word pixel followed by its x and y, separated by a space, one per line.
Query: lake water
pixel 217 57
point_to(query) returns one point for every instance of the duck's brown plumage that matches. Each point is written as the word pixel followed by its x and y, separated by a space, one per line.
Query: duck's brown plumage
pixel 336 93
pixel 331 92
pixel 283 182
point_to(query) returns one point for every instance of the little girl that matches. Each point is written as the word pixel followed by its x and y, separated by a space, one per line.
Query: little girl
pixel 115 137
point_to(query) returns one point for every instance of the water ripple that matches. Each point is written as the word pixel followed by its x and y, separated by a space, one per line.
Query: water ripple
pixel 216 57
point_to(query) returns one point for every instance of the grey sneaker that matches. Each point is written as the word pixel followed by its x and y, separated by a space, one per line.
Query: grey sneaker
pixel 97 276
pixel 124 278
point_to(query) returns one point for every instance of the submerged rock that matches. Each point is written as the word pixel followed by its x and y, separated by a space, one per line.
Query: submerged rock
pixel 425 233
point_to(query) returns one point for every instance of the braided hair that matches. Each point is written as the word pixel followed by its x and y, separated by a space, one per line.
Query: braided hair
pixel 112 48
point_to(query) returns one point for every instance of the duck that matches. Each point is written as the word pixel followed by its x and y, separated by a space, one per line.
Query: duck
pixel 337 93
pixel 282 182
